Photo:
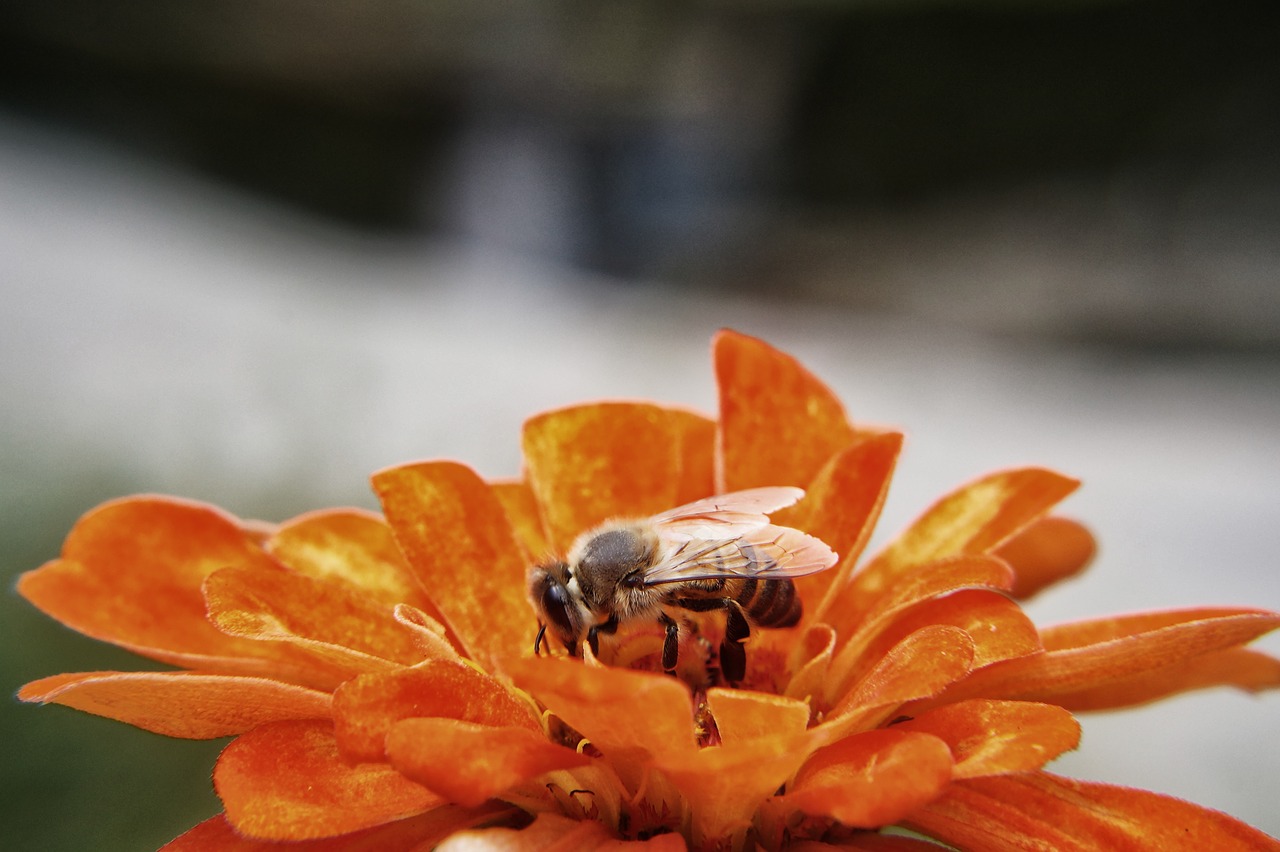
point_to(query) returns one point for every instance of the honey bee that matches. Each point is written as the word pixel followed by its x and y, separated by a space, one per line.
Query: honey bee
pixel 720 553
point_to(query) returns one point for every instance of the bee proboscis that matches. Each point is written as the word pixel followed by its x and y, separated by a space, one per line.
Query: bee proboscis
pixel 719 553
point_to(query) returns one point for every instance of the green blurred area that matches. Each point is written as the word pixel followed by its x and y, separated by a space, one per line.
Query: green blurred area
pixel 70 780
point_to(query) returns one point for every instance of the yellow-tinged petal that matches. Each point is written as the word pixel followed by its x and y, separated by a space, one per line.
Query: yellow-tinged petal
pixel 456 536
pixel 366 707
pixel 841 507
pixel 555 833
pixel 352 546
pixel 1241 668
pixel 469 763
pixel 279 604
pixel 742 715
pixel 620 711
pixel 779 424
pixel 191 705
pixel 871 779
pixel 286 781
pixel 1049 550
pixel 131 572
pixel 520 504
pixel 973 520
pixel 419 832
pixel 1095 653
pixel 593 462
pixel 326 627
pixel 997 737
pixel 1036 810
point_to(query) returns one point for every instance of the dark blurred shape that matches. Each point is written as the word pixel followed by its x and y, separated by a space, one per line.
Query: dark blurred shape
pixel 694 140
pixel 907 100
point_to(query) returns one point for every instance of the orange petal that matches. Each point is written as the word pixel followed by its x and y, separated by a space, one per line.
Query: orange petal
pixel 457 537
pixel 972 520
pixel 778 422
pixel 998 737
pixel 351 546
pixel 366 707
pixel 619 710
pixel 1036 810
pixel 1242 668
pixel 286 781
pixel 518 501
pixel 810 661
pixel 871 779
pixel 190 705
pixel 469 763
pixel 327 626
pixel 695 437
pixel 416 832
pixel 1049 550
pixel 1000 630
pixel 921 665
pixel 857 613
pixel 1091 654
pixel 841 507
pixel 593 462
pixel 725 785
pixel 948 592
pixel 131 572
pixel 1078 634
pixel 552 832
pixel 742 715
pixel 429 636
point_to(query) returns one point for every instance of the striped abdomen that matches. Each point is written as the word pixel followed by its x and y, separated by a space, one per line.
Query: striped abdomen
pixel 765 603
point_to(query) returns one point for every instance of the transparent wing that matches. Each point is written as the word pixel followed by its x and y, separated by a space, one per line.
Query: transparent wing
pixel 725 516
pixel 765 553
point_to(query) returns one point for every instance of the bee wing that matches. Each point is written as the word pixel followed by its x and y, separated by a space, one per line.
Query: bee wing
pixel 725 516
pixel 766 552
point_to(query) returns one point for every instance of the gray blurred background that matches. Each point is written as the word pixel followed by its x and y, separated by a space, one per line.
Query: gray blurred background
pixel 252 251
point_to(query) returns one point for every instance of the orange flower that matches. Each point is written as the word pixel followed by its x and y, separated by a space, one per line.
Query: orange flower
pixel 380 676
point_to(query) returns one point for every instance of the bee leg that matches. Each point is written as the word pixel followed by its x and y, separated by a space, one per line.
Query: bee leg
pixel 609 628
pixel 670 645
pixel 733 657
pixel 537 642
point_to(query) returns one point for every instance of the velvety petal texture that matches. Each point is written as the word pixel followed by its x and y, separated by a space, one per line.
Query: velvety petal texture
pixel 286 781
pixel 131 573
pixel 379 674
pixel 189 705
pixel 1036 810
pixel 455 533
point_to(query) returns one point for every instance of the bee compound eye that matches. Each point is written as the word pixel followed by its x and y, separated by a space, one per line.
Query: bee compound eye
pixel 556 605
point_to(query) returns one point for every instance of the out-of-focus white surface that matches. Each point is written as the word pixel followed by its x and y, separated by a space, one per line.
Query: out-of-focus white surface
pixel 189 341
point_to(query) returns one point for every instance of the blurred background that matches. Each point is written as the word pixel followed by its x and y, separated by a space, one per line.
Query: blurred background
pixel 251 252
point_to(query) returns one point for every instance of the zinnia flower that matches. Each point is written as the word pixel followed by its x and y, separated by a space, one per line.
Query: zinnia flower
pixel 379 676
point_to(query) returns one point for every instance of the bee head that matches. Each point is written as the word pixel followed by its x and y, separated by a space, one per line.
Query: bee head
pixel 556 604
